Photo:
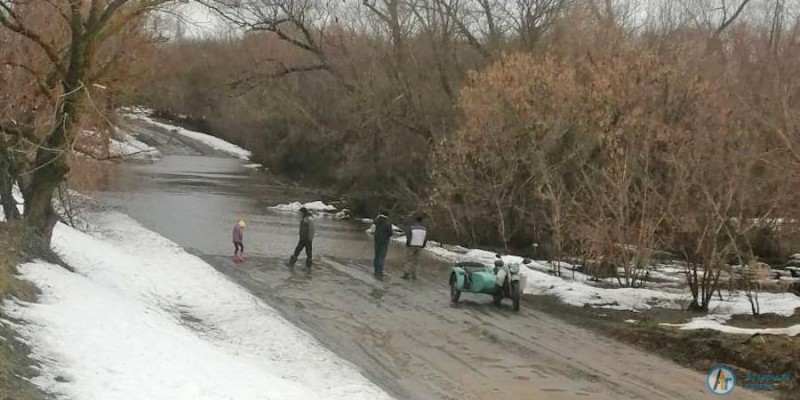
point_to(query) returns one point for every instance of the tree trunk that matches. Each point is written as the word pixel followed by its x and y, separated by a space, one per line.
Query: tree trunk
pixel 7 188
pixel 7 177
pixel 50 168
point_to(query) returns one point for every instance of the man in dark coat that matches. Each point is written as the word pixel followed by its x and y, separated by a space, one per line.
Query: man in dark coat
pixel 383 233
pixel 306 237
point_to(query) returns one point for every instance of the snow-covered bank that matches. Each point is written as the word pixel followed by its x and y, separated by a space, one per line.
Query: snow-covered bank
pixel 576 292
pixel 581 291
pixel 130 148
pixel 144 319
pixel 210 141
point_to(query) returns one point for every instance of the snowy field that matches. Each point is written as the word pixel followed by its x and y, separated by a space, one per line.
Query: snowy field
pixel 144 319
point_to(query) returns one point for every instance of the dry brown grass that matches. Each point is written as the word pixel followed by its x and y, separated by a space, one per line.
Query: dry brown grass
pixel 15 366
pixel 10 251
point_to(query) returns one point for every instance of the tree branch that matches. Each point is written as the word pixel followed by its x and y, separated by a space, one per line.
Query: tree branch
pixel 727 22
pixel 23 131
pixel 43 88
pixel 10 20
pixel 282 71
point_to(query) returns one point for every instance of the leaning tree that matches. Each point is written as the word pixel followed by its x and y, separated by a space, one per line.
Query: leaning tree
pixel 70 51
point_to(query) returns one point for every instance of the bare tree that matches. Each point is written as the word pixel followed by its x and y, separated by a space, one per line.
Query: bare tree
pixel 532 18
pixel 72 59
pixel 299 23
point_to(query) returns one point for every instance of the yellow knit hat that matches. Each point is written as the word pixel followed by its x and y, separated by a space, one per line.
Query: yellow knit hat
pixel 241 223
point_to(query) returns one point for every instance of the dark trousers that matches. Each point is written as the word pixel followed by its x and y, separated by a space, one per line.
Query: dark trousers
pixel 302 244
pixel 238 247
pixel 381 248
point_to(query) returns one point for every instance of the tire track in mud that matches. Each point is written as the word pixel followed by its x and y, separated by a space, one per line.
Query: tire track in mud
pixel 408 338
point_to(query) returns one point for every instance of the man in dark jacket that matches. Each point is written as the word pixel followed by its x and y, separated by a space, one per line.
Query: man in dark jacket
pixel 383 233
pixel 306 237
pixel 416 239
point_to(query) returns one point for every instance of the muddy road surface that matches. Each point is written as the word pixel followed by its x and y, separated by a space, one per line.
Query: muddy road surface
pixel 404 335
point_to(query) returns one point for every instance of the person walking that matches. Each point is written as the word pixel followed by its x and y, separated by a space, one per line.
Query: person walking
pixel 238 241
pixel 383 233
pixel 416 240
pixel 306 237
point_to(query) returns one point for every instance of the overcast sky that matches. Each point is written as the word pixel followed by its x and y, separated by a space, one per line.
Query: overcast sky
pixel 199 20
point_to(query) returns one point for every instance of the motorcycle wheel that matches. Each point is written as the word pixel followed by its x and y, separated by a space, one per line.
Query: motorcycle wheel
pixel 515 295
pixel 497 298
pixel 455 294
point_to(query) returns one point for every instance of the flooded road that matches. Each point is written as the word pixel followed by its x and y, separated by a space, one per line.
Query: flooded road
pixel 405 336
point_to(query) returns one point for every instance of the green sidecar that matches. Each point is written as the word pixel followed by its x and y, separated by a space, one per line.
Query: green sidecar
pixel 501 281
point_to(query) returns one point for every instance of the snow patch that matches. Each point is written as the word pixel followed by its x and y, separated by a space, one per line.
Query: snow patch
pixel 579 293
pixel 143 114
pixel 142 318
pixel 316 206
pixel 129 147
pixel 711 324
pixel 325 210
pixel 582 291
pixel 342 214
pixel 17 195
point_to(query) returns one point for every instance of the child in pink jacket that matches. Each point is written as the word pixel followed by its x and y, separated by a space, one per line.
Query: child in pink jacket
pixel 238 238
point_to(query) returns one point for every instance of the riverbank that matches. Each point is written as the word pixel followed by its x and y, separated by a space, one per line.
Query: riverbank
pixel 701 350
pixel 152 321
pixel 131 315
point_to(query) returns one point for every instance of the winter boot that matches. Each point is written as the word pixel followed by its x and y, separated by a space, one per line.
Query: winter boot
pixel 292 261
pixel 308 263
pixel 406 276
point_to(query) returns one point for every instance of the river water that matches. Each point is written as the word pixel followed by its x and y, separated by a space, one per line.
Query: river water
pixel 195 200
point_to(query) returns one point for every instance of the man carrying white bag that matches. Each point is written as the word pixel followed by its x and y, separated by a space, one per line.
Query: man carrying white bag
pixel 416 239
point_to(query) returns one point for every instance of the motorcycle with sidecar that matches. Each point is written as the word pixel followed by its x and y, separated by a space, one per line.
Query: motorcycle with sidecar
pixel 500 281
